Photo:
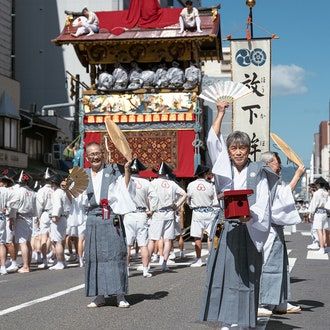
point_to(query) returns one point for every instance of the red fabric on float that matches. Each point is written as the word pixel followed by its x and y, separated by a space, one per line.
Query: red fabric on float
pixel 92 137
pixel 141 13
pixel 185 156
pixel 185 153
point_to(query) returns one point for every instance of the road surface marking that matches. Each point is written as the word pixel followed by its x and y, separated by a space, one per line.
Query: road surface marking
pixel 39 300
pixel 311 254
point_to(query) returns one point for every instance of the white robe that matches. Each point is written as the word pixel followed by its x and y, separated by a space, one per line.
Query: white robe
pixel 120 197
pixel 283 213
pixel 283 210
pixel 77 215
pixel 228 178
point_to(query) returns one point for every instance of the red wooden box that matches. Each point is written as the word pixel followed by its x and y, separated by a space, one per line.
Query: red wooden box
pixel 236 203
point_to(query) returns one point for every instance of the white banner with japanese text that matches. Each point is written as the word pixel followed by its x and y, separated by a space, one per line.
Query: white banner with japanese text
pixel 251 65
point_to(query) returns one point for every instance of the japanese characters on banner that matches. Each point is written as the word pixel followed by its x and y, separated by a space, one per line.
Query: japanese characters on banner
pixel 251 65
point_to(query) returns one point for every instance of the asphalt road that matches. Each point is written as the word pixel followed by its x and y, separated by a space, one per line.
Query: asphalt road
pixel 44 299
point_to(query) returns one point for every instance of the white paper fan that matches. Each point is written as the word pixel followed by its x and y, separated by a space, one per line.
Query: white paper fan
pixel 224 90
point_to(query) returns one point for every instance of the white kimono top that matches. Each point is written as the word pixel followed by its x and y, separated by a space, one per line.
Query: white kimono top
pixel 227 177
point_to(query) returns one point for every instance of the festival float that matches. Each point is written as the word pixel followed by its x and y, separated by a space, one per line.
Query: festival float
pixel 139 66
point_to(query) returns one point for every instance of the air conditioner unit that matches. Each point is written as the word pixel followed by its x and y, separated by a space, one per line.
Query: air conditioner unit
pixel 48 158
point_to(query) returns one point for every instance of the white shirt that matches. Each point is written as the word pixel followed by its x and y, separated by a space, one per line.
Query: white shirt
pixel 97 183
pixel 77 213
pixel 189 18
pixel 145 194
pixel 200 193
pixel 168 193
pixel 23 201
pixel 60 203
pixel 319 199
pixel 92 19
pixel 44 199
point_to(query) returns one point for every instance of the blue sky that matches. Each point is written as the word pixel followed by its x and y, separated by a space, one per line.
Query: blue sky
pixel 300 62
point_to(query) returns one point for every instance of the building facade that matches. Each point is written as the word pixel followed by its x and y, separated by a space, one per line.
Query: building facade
pixel 321 155
pixel 24 139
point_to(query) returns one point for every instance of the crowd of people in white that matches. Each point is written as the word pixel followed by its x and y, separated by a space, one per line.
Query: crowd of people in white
pixel 136 211
pixel 42 224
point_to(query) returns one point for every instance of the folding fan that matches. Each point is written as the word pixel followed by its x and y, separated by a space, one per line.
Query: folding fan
pixel 286 149
pixel 224 90
pixel 77 181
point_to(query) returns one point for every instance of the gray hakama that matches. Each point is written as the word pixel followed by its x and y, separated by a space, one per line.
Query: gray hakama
pixel 105 245
pixel 275 277
pixel 105 254
pixel 233 273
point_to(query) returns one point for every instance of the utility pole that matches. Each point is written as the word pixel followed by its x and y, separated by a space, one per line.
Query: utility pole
pixel 75 93
pixel 76 107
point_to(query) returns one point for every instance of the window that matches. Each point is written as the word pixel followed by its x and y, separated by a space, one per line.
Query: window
pixel 33 147
pixel 9 128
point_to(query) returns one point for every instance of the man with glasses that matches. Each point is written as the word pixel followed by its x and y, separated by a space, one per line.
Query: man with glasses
pixel 109 194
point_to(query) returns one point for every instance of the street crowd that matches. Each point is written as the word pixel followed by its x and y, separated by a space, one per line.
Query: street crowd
pixel 35 215
pixel 43 223
pixel 247 264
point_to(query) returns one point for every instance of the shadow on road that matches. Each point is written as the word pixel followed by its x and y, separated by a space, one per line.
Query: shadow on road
pixel 137 298
pixel 309 305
